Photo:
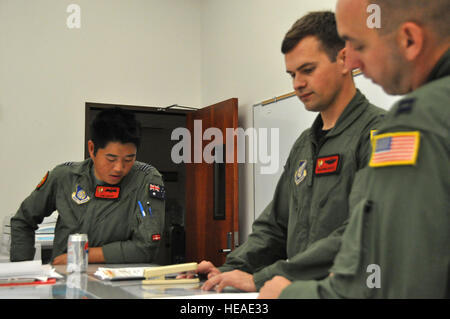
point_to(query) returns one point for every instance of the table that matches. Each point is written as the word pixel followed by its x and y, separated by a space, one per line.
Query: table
pixel 87 286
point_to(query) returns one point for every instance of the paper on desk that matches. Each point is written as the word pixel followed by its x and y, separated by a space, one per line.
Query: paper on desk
pixel 120 273
pixel 27 269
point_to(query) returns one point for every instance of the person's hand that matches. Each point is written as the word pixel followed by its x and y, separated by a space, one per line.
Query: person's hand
pixel 60 260
pixel 205 267
pixel 236 278
pixel 273 288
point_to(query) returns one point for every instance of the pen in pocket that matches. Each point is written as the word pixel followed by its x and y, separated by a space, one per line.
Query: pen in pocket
pixel 149 209
pixel 141 208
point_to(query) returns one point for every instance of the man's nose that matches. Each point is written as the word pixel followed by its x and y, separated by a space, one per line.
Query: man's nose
pixel 299 82
pixel 118 166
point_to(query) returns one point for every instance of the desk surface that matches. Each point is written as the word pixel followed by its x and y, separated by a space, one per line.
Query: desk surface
pixel 87 286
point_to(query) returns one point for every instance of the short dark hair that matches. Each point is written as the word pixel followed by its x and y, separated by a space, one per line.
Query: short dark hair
pixel 115 125
pixel 320 24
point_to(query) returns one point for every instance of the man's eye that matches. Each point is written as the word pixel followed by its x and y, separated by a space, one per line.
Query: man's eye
pixel 111 160
pixel 308 70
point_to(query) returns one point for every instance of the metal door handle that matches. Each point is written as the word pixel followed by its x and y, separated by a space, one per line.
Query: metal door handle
pixel 229 243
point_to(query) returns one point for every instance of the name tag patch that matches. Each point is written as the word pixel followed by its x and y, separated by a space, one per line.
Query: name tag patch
pixel 328 165
pixel 107 192
pixel 392 149
pixel 157 191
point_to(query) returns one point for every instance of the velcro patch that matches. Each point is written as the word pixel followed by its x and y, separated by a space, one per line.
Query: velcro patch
pixel 107 192
pixel 157 191
pixel 328 165
pixel 392 149
pixel 42 182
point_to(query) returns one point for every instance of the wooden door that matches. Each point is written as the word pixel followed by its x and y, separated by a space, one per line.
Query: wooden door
pixel 212 218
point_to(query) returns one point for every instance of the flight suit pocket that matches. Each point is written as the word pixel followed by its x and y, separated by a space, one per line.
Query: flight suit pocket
pixel 151 222
pixel 347 261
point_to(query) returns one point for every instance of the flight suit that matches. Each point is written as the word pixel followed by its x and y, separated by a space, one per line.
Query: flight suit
pixel 111 217
pixel 397 243
pixel 298 233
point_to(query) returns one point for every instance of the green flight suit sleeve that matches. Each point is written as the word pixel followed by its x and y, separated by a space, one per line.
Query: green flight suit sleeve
pixel 38 205
pixel 315 262
pixel 147 230
pixel 401 227
pixel 267 242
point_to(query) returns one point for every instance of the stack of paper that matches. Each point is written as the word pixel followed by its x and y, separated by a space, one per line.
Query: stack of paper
pixel 32 270
pixel 46 232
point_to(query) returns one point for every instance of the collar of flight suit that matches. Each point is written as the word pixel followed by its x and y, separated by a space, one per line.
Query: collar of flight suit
pixel 86 179
pixel 351 112
pixel 442 68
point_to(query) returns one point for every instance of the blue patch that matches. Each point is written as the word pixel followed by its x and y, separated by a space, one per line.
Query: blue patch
pixel 383 144
pixel 80 196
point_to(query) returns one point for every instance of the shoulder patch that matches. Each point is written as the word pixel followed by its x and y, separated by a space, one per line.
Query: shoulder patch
pixel 372 134
pixel 42 182
pixel 157 191
pixel 391 149
pixel 405 106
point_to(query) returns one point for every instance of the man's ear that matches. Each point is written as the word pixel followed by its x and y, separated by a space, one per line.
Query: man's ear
pixel 91 148
pixel 341 60
pixel 410 40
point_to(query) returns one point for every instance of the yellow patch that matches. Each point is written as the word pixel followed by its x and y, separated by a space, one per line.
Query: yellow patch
pixel 399 148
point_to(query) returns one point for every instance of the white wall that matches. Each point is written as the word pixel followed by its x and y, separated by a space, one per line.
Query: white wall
pixel 139 52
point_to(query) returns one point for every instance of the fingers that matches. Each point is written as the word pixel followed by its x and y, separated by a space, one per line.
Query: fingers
pixel 236 279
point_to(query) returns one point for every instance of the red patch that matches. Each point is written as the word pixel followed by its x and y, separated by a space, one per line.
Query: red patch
pixel 156 237
pixel 328 165
pixel 42 182
pixel 107 192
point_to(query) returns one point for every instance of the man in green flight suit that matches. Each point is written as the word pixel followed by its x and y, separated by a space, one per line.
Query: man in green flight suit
pixel 397 242
pixel 114 199
pixel 298 234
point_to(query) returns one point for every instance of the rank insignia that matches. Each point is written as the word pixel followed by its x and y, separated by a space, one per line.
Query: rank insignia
pixel 107 192
pixel 300 173
pixel 157 191
pixel 392 149
pixel 42 182
pixel 328 165
pixel 80 196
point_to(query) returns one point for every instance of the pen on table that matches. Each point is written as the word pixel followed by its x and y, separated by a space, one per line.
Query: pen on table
pixel 142 208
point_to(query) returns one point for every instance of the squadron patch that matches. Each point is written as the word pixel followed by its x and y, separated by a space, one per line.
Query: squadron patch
pixel 392 149
pixel 80 196
pixel 300 173
pixel 157 191
pixel 42 182
pixel 107 192
pixel 328 165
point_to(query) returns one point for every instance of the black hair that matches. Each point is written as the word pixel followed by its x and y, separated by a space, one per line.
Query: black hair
pixel 322 25
pixel 115 125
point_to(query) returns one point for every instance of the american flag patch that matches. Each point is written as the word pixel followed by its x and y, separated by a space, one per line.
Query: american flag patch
pixel 391 149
